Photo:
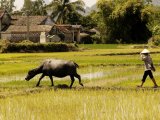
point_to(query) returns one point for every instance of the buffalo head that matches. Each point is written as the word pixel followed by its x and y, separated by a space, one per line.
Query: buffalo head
pixel 30 75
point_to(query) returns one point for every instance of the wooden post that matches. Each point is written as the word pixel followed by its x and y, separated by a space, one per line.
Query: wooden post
pixel 0 27
pixel 73 35
pixel 78 36
pixel 27 13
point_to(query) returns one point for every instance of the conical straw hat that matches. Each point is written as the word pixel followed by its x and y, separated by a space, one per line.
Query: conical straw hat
pixel 145 51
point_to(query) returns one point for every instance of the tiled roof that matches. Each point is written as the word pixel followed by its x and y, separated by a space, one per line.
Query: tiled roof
pixel 33 28
pixel 76 26
pixel 63 29
pixel 67 28
pixel 33 20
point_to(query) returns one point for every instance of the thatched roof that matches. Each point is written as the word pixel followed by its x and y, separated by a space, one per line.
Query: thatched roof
pixel 84 34
pixel 33 28
pixel 33 20
pixel 94 30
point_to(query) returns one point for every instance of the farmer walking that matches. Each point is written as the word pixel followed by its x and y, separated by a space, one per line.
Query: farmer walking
pixel 148 67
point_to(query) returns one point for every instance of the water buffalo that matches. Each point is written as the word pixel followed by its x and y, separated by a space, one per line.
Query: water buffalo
pixel 57 68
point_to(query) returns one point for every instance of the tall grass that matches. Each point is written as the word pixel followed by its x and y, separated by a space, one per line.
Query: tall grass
pixel 83 105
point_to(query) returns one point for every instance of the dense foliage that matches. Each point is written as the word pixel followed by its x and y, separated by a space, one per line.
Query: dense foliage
pixel 126 21
pixel 7 4
pixel 154 26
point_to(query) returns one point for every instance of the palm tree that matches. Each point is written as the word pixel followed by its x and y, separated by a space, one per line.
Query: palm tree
pixel 61 8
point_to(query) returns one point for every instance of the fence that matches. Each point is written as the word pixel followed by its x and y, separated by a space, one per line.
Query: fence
pixel 33 36
pixel 18 37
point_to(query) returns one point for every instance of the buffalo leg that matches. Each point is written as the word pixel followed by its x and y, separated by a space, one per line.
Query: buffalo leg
pixel 79 78
pixel 51 78
pixel 40 79
pixel 72 80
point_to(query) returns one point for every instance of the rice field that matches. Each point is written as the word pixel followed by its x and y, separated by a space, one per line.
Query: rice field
pixel 110 74
pixel 83 105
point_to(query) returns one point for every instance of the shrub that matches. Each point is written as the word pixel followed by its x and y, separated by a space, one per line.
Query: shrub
pixel 86 40
pixel 155 40
pixel 38 47
pixel 26 41
pixel 96 39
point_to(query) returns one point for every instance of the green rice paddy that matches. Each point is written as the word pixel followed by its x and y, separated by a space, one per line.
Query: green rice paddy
pixel 110 74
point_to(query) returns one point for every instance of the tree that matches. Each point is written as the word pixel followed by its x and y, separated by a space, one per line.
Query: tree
pixel 61 8
pixel 88 21
pixel 125 21
pixel 27 5
pixel 154 25
pixel 148 1
pixel 11 6
pixel 36 7
pixel 74 18
pixel 7 5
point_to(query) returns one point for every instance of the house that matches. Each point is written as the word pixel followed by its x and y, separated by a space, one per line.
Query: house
pixel 68 33
pixel 18 28
pixel 27 27
pixel 18 33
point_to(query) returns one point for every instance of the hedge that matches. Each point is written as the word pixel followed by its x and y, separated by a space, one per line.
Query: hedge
pixel 38 47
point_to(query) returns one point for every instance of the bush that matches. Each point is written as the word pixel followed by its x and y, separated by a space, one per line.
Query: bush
pixel 26 42
pixel 38 47
pixel 86 40
pixel 96 39
pixel 155 40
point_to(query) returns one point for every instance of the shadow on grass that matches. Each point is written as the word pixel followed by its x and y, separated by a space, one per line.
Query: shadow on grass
pixel 59 86
pixel 62 86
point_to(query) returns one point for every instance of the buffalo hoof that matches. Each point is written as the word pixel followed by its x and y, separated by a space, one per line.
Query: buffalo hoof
pixel 81 84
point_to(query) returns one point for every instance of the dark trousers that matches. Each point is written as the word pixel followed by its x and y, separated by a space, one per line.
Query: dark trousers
pixel 146 73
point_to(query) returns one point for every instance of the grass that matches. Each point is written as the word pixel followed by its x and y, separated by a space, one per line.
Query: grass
pixel 83 105
pixel 111 46
pixel 110 76
pixel 100 46
pixel 20 62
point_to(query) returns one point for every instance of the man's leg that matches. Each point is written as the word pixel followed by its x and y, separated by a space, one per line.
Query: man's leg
pixel 141 84
pixel 144 78
pixel 152 78
pixel 154 81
